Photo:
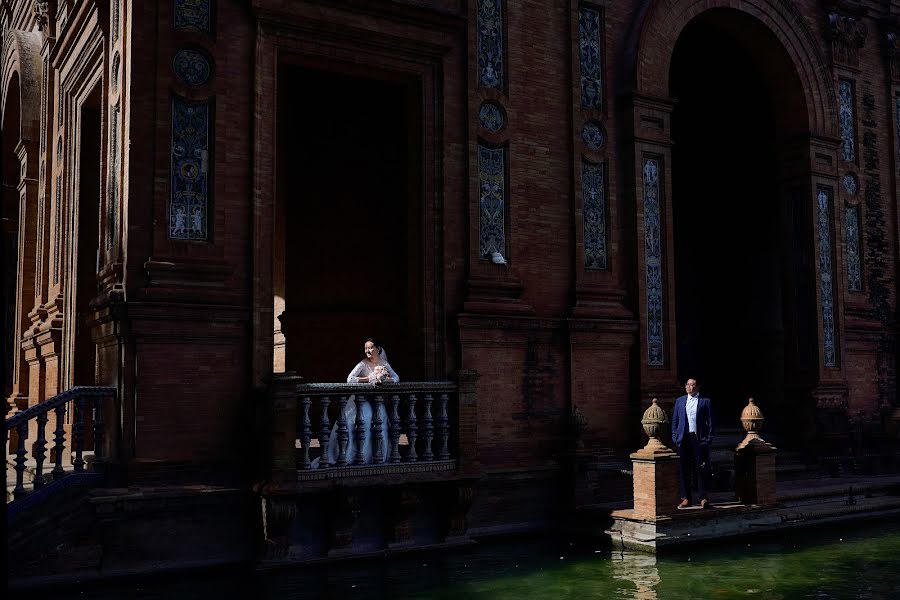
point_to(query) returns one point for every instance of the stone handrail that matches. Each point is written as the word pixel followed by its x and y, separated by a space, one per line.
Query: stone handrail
pixel 39 414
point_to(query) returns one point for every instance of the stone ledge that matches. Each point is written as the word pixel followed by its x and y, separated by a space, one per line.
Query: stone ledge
pixel 732 520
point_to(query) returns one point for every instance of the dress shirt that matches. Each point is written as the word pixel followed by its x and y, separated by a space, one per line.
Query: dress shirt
pixel 691 410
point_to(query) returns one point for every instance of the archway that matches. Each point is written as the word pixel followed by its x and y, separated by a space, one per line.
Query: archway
pixel 743 298
pixel 10 230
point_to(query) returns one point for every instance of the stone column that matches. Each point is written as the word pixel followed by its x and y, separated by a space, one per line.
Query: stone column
pixel 282 429
pixel 655 469
pixel 754 462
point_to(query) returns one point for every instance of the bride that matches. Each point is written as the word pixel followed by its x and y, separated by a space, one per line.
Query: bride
pixel 374 369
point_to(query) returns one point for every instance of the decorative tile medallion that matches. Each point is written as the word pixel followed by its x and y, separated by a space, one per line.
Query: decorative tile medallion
pixel 589 48
pixel 191 67
pixel 653 262
pixel 826 286
pixel 854 266
pixel 593 190
pixel 492 198
pixel 190 152
pixel 593 136
pixel 850 182
pixel 490 43
pixel 491 117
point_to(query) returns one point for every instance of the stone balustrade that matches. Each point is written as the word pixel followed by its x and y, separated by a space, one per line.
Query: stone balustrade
pixel 409 427
pixel 86 406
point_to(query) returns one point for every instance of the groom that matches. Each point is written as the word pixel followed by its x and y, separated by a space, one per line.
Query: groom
pixel 692 433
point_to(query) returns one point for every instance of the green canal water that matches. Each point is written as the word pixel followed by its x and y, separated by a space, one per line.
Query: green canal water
pixel 854 561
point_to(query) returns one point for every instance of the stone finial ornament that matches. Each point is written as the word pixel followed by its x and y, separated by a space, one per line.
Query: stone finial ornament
pixel 752 419
pixel 655 422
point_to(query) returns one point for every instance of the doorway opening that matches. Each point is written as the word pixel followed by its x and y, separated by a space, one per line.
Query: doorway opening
pixel 9 250
pixel 740 299
pixel 348 264
pixel 86 241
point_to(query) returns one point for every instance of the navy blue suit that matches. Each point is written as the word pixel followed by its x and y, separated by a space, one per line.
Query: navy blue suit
pixel 693 449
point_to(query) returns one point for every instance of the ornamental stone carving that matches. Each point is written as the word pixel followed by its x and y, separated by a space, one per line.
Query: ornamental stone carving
pixel 847 36
pixel 43 12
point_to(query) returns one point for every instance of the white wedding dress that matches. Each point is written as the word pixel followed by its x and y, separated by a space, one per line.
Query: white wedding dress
pixel 332 451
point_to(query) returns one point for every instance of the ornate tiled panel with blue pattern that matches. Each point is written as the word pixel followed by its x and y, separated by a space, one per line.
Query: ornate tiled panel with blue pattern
pixel 492 198
pixel 193 15
pixel 593 190
pixel 653 261
pixel 490 43
pixel 191 67
pixel 112 179
pixel 848 134
pixel 590 58
pixel 57 230
pixel 854 266
pixel 826 285
pixel 190 145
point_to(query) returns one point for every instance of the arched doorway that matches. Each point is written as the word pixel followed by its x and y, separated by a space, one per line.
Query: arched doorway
pixel 743 285
pixel 752 149
pixel 10 231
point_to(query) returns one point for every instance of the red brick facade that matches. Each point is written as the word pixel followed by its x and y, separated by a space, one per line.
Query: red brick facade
pixel 184 328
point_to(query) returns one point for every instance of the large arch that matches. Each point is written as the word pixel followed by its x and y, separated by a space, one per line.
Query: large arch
pixel 659 23
pixel 20 127
pixel 22 59
pixel 794 63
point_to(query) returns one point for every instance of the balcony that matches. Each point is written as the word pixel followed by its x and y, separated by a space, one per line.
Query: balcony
pixel 420 466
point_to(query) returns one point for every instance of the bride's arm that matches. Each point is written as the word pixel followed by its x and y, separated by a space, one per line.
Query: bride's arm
pixel 355 377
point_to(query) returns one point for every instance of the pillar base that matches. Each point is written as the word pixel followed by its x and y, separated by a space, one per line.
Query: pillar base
pixel 754 471
pixel 655 482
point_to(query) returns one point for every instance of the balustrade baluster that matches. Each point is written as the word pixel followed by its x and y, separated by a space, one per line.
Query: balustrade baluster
pixel 377 429
pixel 19 490
pixel 412 433
pixel 40 450
pixel 78 435
pixel 98 429
pixel 59 438
pixel 359 431
pixel 443 428
pixel 429 428
pixel 305 433
pixel 395 428
pixel 343 435
pixel 324 432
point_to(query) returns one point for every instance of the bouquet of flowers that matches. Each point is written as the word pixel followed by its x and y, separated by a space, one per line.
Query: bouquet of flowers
pixel 381 374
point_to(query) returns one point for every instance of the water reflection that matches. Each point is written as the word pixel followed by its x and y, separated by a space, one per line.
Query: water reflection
pixel 640 570
pixel 839 562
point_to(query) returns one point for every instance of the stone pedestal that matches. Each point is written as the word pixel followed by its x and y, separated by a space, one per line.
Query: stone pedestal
pixel 754 461
pixel 655 482
pixel 754 472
